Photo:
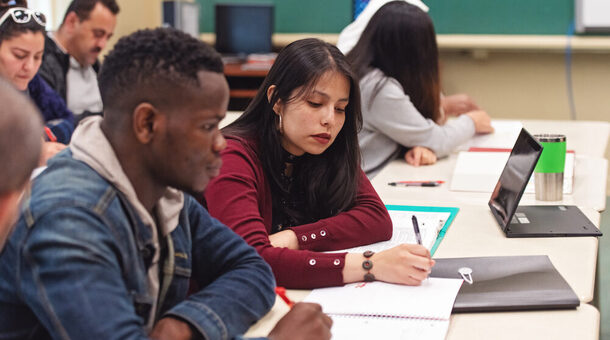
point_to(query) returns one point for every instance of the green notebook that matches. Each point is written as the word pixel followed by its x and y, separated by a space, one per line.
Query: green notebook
pixel 432 233
pixel 433 224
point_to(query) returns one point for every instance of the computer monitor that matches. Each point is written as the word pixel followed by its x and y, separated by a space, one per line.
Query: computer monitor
pixel 244 28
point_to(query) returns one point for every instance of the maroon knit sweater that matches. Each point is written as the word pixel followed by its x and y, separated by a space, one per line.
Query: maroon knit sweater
pixel 240 197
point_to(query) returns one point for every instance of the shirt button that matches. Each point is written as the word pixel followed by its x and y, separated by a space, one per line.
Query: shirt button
pixel 313 236
pixel 312 262
pixel 323 233
pixel 337 262
pixel 304 238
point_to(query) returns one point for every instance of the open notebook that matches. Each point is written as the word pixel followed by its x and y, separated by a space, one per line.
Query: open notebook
pixel 378 310
pixel 433 223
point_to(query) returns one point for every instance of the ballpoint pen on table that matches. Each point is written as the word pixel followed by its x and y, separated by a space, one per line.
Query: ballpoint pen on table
pixel 416 183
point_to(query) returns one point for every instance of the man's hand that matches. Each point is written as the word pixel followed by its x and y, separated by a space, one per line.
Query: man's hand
pixel 49 149
pixel 305 321
pixel 171 329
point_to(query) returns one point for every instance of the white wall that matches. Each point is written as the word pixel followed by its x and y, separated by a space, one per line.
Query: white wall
pixel 54 10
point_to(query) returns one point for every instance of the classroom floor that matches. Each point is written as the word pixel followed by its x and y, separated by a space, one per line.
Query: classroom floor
pixel 603 266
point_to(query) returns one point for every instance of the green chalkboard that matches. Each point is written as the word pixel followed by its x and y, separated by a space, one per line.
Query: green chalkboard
pixel 449 16
pixel 501 16
pixel 292 16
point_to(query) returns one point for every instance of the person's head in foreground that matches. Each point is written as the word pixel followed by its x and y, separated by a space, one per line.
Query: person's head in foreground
pixel 20 144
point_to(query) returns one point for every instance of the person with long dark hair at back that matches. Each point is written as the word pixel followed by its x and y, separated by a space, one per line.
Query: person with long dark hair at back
pixel 291 183
pixel 396 60
pixel 22 33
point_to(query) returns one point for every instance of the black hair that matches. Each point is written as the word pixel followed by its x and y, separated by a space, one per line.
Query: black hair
pixel 20 138
pixel 83 8
pixel 146 65
pixel 10 28
pixel 400 41
pixel 330 180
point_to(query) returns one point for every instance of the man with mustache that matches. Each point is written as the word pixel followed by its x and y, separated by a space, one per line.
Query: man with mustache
pixel 70 62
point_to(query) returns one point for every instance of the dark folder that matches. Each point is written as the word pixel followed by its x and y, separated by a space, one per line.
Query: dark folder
pixel 506 283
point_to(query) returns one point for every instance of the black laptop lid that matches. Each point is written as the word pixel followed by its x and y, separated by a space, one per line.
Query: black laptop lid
pixel 513 180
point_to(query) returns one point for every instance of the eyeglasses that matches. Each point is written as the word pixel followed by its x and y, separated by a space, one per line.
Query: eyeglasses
pixel 23 15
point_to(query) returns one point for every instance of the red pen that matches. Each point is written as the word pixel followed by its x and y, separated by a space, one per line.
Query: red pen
pixel 50 134
pixel 281 292
pixel 416 183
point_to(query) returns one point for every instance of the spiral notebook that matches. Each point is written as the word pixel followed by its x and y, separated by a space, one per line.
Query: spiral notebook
pixel 378 310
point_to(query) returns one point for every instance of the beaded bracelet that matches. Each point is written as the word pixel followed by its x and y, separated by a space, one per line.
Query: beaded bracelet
pixel 367 265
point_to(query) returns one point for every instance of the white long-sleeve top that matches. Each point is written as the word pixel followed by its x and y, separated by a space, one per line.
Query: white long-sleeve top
pixel 391 121
pixel 351 33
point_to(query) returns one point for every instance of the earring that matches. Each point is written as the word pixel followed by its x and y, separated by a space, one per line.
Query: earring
pixel 280 128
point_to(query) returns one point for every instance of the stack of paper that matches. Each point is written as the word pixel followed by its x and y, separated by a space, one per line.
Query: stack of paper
pixel 480 171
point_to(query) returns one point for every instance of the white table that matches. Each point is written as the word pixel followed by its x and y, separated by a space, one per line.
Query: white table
pixel 589 189
pixel 475 232
pixel 584 137
pixel 581 323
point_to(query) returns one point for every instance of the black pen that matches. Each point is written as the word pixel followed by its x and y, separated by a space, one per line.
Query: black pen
pixel 416 183
pixel 416 228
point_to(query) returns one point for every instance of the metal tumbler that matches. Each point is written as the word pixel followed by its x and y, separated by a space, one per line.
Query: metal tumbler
pixel 548 174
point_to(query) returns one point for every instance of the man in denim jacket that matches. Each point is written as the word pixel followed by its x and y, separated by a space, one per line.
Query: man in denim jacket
pixel 108 242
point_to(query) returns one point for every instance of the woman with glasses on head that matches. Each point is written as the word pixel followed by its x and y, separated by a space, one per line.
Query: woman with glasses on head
pixel 21 47
pixel 291 184
pixel 396 60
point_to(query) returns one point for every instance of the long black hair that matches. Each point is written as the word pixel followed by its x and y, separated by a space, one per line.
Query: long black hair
pixel 10 28
pixel 400 41
pixel 329 180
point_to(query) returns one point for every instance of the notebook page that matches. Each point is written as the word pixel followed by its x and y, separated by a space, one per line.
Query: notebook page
pixel 365 328
pixel 433 299
pixel 505 135
pixel 480 171
pixel 430 223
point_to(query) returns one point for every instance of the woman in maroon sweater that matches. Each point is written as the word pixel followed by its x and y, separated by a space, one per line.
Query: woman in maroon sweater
pixel 291 183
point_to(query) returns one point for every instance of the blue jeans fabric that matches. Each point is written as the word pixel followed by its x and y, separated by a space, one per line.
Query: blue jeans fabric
pixel 76 266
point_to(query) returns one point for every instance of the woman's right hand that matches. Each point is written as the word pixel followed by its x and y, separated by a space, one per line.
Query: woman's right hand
pixel 482 121
pixel 407 264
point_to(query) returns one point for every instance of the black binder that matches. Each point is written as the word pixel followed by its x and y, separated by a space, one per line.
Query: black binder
pixel 506 283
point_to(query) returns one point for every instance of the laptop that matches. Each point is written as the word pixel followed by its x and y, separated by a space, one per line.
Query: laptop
pixel 534 220
pixel 506 283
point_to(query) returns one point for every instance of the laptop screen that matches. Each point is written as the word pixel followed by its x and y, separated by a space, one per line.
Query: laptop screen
pixel 513 180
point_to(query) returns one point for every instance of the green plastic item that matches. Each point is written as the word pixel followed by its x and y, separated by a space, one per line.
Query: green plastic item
pixel 553 158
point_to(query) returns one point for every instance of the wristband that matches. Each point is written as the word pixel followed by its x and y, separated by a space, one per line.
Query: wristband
pixel 368 265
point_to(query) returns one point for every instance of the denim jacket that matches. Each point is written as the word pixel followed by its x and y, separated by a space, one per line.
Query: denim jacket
pixel 76 266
